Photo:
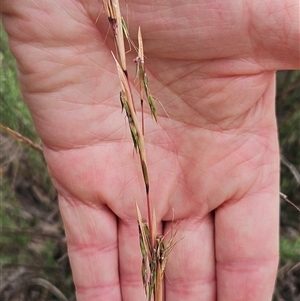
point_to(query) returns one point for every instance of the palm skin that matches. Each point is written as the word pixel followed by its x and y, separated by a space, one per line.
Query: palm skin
pixel 213 163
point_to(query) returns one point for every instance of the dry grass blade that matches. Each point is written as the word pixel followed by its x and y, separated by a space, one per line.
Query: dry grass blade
pixel 50 287
pixel 108 7
pixel 119 36
pixel 112 9
pixel 21 138
pixel 284 197
pixel 291 167
pixel 154 229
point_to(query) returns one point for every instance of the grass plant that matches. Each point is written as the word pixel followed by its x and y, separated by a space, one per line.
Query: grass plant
pixel 154 249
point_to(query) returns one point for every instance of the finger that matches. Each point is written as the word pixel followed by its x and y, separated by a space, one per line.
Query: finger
pixel 190 271
pixel 92 246
pixel 247 248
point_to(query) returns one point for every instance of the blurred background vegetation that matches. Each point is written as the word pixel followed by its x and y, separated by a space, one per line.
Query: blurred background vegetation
pixel 33 255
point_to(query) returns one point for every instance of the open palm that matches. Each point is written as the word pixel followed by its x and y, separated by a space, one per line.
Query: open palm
pixel 213 157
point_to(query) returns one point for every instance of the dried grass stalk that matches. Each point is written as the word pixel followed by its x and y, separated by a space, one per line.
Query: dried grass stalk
pixel 19 137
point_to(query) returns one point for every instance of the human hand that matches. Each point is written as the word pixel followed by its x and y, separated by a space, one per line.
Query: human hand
pixel 213 162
